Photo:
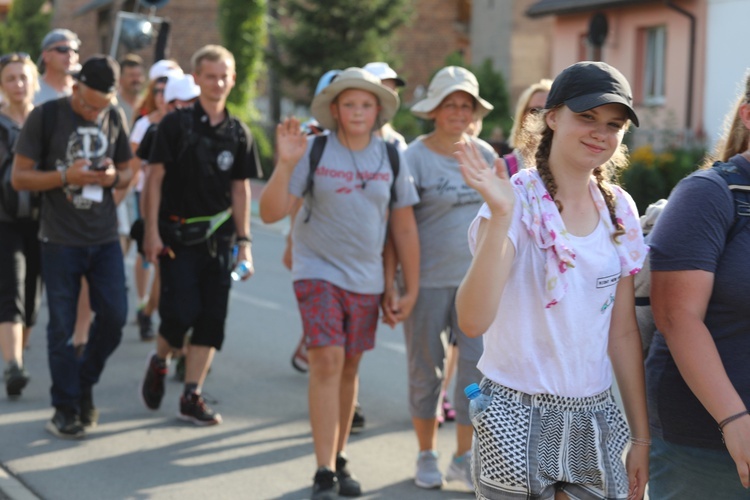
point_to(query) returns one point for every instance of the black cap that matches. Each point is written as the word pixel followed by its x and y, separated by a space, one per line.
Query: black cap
pixel 586 85
pixel 100 73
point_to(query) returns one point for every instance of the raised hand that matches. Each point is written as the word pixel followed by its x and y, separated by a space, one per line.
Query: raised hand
pixel 493 184
pixel 291 142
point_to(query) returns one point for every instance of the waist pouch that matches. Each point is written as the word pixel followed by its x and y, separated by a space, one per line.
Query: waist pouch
pixel 193 231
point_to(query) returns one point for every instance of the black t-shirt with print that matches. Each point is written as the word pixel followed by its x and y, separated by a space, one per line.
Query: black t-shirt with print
pixel 68 217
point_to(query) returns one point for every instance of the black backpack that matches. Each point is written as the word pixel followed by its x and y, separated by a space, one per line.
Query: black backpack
pixel 22 204
pixel 316 152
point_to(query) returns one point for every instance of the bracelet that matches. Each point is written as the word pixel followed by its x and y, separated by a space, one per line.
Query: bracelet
pixel 640 442
pixel 64 177
pixel 117 180
pixel 727 420
pixel 244 240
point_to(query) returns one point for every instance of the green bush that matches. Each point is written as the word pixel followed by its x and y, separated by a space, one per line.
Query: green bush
pixel 652 175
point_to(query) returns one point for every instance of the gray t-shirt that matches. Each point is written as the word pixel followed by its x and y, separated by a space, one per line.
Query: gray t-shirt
pixel 339 232
pixel 67 217
pixel 47 93
pixel 691 234
pixel 445 210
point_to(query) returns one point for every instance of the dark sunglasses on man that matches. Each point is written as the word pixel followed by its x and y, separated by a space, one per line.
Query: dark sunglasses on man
pixel 64 49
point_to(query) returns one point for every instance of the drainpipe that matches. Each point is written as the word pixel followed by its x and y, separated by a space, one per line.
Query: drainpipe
pixel 691 63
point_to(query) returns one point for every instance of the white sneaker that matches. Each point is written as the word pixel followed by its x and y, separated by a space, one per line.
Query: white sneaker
pixel 460 470
pixel 428 473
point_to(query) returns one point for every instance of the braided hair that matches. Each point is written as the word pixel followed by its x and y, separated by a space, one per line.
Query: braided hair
pixel 605 175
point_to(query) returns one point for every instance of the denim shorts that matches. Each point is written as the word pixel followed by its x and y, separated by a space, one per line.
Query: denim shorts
pixel 692 473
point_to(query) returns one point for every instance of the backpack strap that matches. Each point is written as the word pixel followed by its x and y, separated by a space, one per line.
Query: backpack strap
pixel 395 160
pixel 739 184
pixel 316 153
pixel 512 163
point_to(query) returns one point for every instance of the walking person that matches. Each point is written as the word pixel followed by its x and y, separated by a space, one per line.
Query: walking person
pixel 551 290
pixel 57 63
pixel 696 371
pixel 199 168
pixel 75 151
pixel 338 237
pixel 444 212
pixel 20 269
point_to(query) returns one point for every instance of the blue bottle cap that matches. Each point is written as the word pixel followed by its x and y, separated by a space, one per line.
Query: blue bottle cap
pixel 472 391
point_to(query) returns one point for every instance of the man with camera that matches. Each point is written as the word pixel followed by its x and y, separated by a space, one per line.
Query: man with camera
pixel 75 151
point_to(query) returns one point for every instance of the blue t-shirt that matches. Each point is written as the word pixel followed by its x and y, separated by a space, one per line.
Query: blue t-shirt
pixel 691 234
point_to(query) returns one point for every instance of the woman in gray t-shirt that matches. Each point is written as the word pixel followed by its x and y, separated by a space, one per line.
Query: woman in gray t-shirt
pixel 445 210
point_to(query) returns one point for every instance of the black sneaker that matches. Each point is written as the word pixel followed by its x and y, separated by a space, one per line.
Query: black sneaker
pixel 65 424
pixel 325 485
pixel 193 408
pixel 152 387
pixel 358 420
pixel 89 414
pixel 145 326
pixel 348 484
pixel 16 377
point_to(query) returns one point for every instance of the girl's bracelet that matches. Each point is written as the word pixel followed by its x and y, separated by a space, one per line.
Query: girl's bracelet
pixel 640 442
pixel 727 420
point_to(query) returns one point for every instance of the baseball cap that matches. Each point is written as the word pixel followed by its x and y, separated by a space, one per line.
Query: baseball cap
pixel 99 73
pixel 589 84
pixel 164 68
pixel 383 71
pixel 60 35
pixel 182 88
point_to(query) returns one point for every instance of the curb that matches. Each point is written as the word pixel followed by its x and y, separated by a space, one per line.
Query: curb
pixel 13 489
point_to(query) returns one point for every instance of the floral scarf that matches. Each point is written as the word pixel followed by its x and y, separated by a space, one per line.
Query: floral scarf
pixel 544 223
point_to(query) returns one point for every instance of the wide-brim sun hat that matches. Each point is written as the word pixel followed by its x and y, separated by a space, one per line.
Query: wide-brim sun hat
pixel 446 81
pixel 354 78
pixel 589 84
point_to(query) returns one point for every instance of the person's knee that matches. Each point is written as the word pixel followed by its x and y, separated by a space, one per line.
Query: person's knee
pixel 326 362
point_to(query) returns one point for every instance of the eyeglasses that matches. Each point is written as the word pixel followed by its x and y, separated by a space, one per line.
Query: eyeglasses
pixel 13 57
pixel 158 91
pixel 88 107
pixel 64 49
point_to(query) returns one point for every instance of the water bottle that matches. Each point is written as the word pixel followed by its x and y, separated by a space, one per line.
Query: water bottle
pixel 243 269
pixel 478 401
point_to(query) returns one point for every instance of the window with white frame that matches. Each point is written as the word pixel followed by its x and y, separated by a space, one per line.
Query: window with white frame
pixel 653 71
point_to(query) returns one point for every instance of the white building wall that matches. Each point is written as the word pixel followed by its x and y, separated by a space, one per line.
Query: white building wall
pixel 727 60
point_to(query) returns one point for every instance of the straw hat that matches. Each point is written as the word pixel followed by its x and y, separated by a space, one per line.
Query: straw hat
pixel 353 78
pixel 446 81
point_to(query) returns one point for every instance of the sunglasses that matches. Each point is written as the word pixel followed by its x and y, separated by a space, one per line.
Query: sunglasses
pixel 13 57
pixel 158 91
pixel 64 49
pixel 534 111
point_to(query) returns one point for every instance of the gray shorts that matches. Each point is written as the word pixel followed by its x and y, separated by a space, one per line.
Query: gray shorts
pixel 426 331
pixel 529 446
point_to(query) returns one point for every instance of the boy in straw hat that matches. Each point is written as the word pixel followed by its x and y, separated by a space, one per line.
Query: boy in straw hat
pixel 337 253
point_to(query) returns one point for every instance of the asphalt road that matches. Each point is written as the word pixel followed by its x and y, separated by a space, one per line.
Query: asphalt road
pixel 263 450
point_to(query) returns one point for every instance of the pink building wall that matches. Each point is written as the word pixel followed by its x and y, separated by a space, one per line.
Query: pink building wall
pixel 623 49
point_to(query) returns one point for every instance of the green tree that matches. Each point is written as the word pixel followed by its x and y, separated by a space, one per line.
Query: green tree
pixel 326 34
pixel 25 27
pixel 242 24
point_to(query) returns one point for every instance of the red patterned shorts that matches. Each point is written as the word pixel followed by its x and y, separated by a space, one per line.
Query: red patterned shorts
pixel 332 316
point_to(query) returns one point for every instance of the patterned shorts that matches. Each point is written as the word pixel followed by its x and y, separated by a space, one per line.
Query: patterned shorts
pixel 332 316
pixel 529 446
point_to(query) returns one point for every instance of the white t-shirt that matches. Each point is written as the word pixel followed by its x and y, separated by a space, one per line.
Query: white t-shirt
pixel 140 127
pixel 339 232
pixel 562 349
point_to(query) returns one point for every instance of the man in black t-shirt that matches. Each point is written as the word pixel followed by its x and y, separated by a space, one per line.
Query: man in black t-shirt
pixel 197 205
pixel 80 144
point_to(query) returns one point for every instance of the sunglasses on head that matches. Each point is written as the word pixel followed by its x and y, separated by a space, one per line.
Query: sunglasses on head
pixel 13 57
pixel 64 49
